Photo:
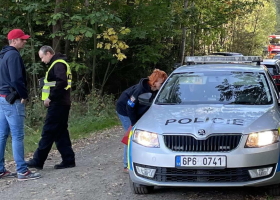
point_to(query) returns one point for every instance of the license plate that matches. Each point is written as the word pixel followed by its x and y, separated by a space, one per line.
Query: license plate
pixel 201 161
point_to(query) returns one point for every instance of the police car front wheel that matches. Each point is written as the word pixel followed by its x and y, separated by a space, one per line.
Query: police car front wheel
pixel 140 189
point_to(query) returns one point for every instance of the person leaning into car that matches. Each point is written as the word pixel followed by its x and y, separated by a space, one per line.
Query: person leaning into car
pixel 56 97
pixel 13 94
pixel 128 108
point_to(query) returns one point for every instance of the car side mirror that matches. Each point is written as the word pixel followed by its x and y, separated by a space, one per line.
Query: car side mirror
pixel 145 99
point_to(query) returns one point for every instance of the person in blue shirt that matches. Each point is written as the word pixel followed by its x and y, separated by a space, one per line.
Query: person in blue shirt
pixel 12 113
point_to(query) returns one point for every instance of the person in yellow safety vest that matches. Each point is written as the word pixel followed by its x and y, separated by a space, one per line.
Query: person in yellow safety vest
pixel 56 97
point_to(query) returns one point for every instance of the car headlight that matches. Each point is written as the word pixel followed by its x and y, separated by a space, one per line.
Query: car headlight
pixel 146 138
pixel 260 139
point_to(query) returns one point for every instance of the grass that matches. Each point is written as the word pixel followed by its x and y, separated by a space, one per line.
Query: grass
pixel 85 128
pixel 95 113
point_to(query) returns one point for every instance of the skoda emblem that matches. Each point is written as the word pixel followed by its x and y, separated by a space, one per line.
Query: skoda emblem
pixel 201 132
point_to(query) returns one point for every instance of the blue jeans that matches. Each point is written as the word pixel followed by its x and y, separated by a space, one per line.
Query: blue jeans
pixel 12 119
pixel 125 123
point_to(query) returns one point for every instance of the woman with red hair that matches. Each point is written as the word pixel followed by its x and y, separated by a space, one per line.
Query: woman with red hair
pixel 128 108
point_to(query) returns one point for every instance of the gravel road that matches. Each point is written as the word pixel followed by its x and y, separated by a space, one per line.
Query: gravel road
pixel 99 175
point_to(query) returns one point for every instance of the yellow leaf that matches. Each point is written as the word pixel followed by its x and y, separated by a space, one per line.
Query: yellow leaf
pixel 125 31
pixel 107 46
pixel 121 45
pixel 78 38
pixel 111 31
pixel 106 37
pixel 100 45
pixel 114 38
pixel 121 56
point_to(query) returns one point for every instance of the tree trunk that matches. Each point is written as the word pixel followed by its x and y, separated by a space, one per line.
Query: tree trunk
pixel 94 58
pixel 184 33
pixel 57 27
pixel 104 78
pixel 192 37
pixel 233 36
pixel 67 42
pixel 107 75
pixel 32 53
pixel 253 34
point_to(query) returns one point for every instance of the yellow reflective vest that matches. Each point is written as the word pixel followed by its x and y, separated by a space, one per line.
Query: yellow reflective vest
pixel 48 85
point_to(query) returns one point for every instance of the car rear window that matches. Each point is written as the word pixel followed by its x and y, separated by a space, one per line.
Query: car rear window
pixel 217 87
pixel 272 69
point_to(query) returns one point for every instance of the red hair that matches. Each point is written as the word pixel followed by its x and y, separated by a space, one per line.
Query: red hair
pixel 156 75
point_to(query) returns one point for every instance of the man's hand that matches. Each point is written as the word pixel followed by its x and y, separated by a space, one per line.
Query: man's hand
pixel 23 101
pixel 47 102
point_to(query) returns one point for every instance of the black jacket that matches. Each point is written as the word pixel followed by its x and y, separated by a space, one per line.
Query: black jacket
pixel 58 95
pixel 128 103
pixel 12 72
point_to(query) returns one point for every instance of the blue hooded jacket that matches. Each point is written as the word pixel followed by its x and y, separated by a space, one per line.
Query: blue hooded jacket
pixel 128 103
pixel 12 72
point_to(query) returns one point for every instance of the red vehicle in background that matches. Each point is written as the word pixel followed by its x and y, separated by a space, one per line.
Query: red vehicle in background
pixel 274 46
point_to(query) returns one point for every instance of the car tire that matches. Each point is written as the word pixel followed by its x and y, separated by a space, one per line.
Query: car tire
pixel 140 189
pixel 274 190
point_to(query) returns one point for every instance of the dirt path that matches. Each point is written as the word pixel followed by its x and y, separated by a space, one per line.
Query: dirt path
pixel 98 175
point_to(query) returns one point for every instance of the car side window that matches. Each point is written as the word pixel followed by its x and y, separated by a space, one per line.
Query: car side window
pixel 273 85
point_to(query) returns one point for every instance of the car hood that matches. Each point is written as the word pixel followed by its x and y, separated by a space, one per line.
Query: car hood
pixel 192 119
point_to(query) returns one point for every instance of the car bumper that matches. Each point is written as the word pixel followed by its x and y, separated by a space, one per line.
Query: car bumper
pixel 237 159
pixel 275 179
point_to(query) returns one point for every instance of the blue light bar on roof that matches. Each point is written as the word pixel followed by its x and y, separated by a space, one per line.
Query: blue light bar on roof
pixel 222 59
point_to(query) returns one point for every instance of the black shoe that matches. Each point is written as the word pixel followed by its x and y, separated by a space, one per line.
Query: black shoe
pixel 32 164
pixel 64 165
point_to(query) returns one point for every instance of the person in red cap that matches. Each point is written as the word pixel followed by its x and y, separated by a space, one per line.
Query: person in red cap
pixel 13 94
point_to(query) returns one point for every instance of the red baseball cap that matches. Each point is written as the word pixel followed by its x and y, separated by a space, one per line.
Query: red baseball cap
pixel 17 33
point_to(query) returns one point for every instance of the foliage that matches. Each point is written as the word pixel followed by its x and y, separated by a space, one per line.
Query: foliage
pixel 154 40
pixel 111 41
pixel 251 30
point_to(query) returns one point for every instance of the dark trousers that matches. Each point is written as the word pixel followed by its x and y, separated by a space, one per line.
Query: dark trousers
pixel 55 130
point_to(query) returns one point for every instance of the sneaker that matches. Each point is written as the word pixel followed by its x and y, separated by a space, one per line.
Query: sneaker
pixel 125 170
pixel 33 164
pixel 8 174
pixel 64 165
pixel 28 176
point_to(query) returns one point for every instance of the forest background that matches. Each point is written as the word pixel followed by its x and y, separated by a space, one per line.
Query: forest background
pixel 112 44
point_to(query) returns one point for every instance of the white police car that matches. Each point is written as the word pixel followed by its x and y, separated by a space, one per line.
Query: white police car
pixel 210 125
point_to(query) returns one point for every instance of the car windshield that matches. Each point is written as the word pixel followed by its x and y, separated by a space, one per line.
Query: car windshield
pixel 276 57
pixel 217 87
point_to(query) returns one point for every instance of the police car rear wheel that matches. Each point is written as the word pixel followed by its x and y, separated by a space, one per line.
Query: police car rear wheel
pixel 274 190
pixel 140 189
